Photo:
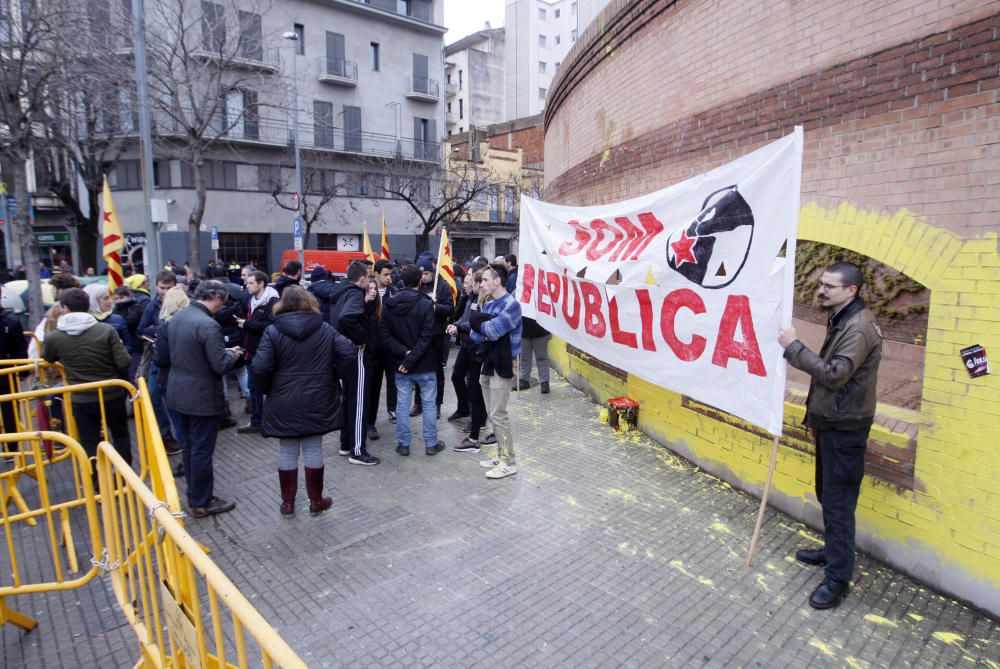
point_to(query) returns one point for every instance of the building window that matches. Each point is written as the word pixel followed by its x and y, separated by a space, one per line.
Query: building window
pixel 494 194
pixel 213 26
pixel 127 175
pixel 461 108
pixel 326 241
pixel 542 92
pixel 161 174
pixel 541 66
pixel 245 248
pixel 449 106
pixel 219 174
pixel 323 123
pixel 251 36
pixel 375 57
pixel 459 80
pixel 558 39
pixel 300 39
pixel 269 178
pixel 509 198
pixel 542 41
pixel 572 9
pixel 572 35
pixel 541 13
pixel 557 65
pixel 557 13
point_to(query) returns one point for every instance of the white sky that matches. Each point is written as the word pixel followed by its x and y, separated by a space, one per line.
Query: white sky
pixel 464 17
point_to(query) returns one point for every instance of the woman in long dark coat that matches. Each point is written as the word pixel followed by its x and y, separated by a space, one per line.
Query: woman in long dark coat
pixel 297 367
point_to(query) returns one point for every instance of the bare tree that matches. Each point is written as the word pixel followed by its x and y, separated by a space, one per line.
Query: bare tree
pixel 320 186
pixel 208 64
pixel 437 195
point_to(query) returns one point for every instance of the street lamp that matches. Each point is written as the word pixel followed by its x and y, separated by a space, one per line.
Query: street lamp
pixel 297 226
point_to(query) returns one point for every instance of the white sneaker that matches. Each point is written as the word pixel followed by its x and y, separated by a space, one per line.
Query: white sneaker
pixel 501 470
pixel 490 464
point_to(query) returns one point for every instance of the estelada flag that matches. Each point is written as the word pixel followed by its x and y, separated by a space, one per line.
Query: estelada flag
pixel 446 268
pixel 384 251
pixel 113 241
pixel 367 249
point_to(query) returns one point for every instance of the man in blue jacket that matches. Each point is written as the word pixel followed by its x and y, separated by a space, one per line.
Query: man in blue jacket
pixel 407 329
pixel 497 329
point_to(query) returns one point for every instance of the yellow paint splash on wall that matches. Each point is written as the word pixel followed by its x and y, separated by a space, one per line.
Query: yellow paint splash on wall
pixel 879 620
pixel 822 647
pixel 679 566
pixel 949 637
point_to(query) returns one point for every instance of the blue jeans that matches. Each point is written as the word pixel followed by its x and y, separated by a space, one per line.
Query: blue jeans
pixel 256 399
pixel 427 383
pixel 159 406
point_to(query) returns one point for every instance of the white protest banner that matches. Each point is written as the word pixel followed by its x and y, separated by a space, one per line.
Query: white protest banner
pixel 683 287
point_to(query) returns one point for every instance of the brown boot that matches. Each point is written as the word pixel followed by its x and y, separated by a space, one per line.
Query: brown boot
pixel 314 487
pixel 289 480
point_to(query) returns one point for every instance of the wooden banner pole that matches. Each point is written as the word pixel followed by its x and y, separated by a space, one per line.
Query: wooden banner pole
pixel 763 502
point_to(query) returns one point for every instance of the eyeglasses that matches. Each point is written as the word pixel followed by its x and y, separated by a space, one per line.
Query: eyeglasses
pixel 831 286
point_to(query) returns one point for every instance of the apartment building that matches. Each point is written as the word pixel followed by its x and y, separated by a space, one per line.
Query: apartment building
pixel 538 35
pixel 474 80
pixel 367 77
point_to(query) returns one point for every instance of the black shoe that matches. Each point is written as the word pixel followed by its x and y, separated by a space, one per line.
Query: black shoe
pixel 172 447
pixel 227 423
pixel 215 506
pixel 392 416
pixel 372 433
pixel 544 386
pixel 436 448
pixel 416 411
pixel 810 556
pixel 439 412
pixel 829 594
pixel 458 415
pixel 365 458
pixel 521 385
pixel 402 450
pixel 248 429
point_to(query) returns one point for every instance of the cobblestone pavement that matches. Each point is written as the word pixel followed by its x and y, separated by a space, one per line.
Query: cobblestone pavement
pixel 605 550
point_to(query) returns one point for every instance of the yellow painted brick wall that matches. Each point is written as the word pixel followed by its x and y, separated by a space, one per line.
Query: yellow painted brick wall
pixel 947 530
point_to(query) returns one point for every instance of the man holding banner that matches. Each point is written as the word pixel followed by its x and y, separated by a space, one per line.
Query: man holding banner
pixel 840 410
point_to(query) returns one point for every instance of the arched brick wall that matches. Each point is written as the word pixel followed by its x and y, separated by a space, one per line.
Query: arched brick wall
pixel 902 163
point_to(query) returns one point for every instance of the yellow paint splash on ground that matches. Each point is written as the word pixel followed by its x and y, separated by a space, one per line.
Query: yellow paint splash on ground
pixel 626 497
pixel 822 647
pixel 949 637
pixel 627 548
pixel 762 582
pixel 810 537
pixel 879 620
pixel 571 501
pixel 650 554
pixel 721 528
pixel 915 616
pixel 685 510
pixel 855 663
pixel 679 566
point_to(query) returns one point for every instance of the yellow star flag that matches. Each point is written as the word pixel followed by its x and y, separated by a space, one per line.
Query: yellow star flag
pixel 446 267
pixel 113 242
pixel 367 249
pixel 384 251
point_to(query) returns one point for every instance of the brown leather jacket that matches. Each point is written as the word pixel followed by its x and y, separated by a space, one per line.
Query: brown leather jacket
pixel 844 374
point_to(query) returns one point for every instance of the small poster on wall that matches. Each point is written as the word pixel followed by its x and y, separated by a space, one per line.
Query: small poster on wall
pixel 975 360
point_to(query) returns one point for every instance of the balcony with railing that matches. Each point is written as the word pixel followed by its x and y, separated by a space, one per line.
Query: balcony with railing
pixel 249 56
pixel 336 71
pixel 450 90
pixel 251 129
pixel 422 88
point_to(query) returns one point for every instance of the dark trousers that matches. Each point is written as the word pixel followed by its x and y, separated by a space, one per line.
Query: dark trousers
pixel 352 435
pixel 840 467
pixel 89 426
pixel 477 403
pixel 256 398
pixel 381 367
pixel 458 379
pixel 199 447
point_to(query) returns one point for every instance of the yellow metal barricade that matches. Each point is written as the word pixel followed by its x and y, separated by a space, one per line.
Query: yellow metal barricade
pixel 184 610
pixel 53 483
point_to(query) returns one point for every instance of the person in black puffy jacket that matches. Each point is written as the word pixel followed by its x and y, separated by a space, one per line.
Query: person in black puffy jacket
pixel 321 286
pixel 297 366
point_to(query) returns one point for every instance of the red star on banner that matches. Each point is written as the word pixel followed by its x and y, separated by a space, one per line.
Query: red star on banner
pixel 682 249
pixel 107 217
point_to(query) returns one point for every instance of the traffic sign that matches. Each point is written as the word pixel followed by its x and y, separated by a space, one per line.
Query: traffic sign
pixel 215 238
pixel 12 205
pixel 297 230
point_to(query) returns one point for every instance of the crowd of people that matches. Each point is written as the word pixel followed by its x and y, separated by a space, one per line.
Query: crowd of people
pixel 308 359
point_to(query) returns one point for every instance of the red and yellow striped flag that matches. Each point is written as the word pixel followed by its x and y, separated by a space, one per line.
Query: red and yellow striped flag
pixel 113 240
pixel 367 248
pixel 446 267
pixel 384 251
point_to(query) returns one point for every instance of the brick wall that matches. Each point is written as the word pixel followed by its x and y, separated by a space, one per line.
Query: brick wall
pixel 899 101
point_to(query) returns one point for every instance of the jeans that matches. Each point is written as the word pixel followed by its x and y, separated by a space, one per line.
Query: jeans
pixel 243 379
pixel 90 426
pixel 312 452
pixel 256 398
pixel 539 346
pixel 427 383
pixel 159 406
pixel 199 447
pixel 840 467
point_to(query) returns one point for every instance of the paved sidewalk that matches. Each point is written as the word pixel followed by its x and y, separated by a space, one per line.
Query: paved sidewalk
pixel 605 550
